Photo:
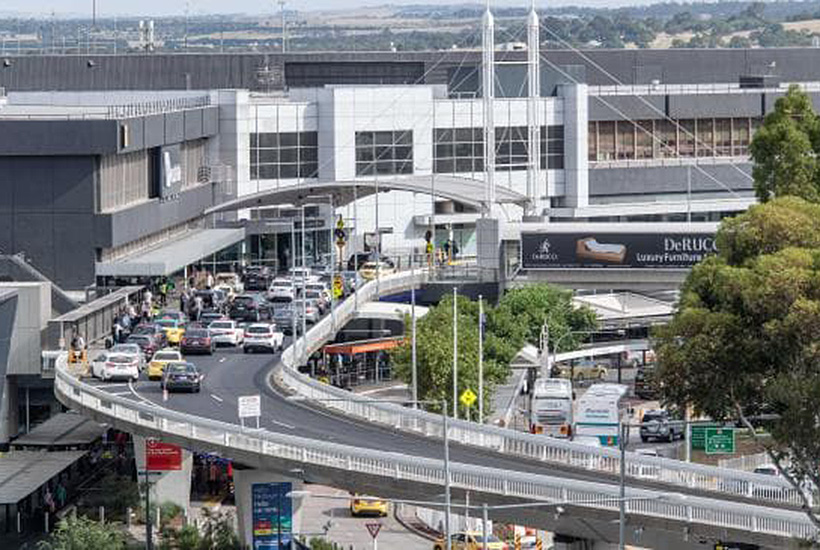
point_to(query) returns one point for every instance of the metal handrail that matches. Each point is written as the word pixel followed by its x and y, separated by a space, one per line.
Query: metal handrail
pixel 689 510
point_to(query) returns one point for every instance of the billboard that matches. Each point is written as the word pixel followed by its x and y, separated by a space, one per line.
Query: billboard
pixel 614 250
pixel 272 516
pixel 170 168
pixel 162 457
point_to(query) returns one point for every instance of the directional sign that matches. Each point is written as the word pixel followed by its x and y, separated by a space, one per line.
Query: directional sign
pixel 720 441
pixel 250 406
pixel 698 439
pixel 162 457
pixel 468 397
pixel 373 529
pixel 338 286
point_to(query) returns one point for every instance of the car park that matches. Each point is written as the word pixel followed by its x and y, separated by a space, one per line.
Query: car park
pixel 174 329
pixel 362 505
pixel 227 332
pixel 659 424
pixel 130 349
pixel 181 376
pixel 197 340
pixel 282 290
pixel 249 307
pixel 111 366
pixel 263 337
pixel 161 358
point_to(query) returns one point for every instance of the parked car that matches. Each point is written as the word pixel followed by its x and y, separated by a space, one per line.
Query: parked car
pixel 130 349
pixel 181 376
pixel 371 270
pixel 226 332
pixel 197 340
pixel 161 358
pixel 282 290
pixel 363 505
pixel 470 540
pixel 229 280
pixel 584 369
pixel 263 336
pixel 659 424
pixel 249 307
pixel 174 329
pixel 358 259
pixel 110 366
pixel 148 343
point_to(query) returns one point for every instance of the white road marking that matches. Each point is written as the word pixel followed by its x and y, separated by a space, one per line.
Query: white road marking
pixel 120 393
pixel 378 390
pixel 287 426
pixel 222 359
pixel 217 398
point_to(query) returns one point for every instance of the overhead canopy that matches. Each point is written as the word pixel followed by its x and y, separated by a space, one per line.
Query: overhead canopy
pixel 626 309
pixel 354 348
pixel 171 257
pixel 464 190
pixel 24 472
pixel 62 430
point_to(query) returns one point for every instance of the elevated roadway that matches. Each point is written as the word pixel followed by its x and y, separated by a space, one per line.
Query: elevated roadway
pixel 394 452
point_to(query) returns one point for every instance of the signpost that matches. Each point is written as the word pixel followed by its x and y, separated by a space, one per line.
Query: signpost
pixel 272 516
pixel 373 529
pixel 468 398
pixel 159 457
pixel 698 435
pixel 720 441
pixel 338 286
pixel 250 406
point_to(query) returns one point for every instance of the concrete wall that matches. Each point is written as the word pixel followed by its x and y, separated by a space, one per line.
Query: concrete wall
pixel 8 384
pixel 669 179
pixel 32 314
pixel 172 486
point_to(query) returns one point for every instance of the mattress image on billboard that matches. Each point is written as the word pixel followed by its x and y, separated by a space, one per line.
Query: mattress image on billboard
pixel 589 249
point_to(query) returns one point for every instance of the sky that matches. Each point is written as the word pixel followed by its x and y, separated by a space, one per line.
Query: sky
pixel 177 7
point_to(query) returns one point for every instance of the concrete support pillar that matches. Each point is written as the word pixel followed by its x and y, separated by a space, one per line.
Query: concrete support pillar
pixel 488 247
pixel 8 411
pixel 244 482
pixel 576 160
pixel 173 486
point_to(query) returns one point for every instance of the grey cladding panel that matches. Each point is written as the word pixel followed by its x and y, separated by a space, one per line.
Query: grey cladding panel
pixel 210 121
pixel 135 132
pixel 626 107
pixel 193 124
pixel 715 105
pixel 154 131
pixel 174 127
pixel 58 137
pixel 667 179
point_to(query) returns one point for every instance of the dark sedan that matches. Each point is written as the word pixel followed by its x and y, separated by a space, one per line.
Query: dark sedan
pixel 197 340
pixel 181 377
pixel 147 343
pixel 153 330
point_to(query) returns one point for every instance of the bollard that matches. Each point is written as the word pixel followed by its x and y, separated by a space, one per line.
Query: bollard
pixel 19 523
pixel 45 519
pixel 157 524
pixel 128 518
pixel 102 514
pixel 186 519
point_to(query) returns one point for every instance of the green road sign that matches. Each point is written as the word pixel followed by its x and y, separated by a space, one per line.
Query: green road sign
pixel 698 439
pixel 720 441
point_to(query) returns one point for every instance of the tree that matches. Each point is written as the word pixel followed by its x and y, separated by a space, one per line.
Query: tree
pixel 82 533
pixel 785 150
pixel 743 342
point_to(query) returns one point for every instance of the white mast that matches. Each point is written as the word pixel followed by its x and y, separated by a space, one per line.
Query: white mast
pixel 488 85
pixel 534 81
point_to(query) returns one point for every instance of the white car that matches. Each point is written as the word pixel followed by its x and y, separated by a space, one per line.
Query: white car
pixel 232 280
pixel 226 333
pixel 108 366
pixel 263 336
pixel 282 290
pixel 131 350
pixel 320 287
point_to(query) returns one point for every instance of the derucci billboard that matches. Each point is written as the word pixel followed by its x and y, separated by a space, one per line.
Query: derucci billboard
pixel 615 250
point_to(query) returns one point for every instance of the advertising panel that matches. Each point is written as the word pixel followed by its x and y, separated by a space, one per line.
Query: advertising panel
pixel 162 457
pixel 615 250
pixel 272 516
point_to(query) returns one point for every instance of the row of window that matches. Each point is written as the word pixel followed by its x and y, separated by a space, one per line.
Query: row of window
pixel 286 155
pixel 384 153
pixel 651 139
pixel 462 149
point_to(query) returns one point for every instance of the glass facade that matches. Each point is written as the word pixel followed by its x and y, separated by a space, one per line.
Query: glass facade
pixel 287 155
pixel 459 150
pixel 384 153
pixel 658 139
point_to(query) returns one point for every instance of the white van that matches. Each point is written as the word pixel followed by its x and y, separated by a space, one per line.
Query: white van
pixel 551 407
pixel 599 411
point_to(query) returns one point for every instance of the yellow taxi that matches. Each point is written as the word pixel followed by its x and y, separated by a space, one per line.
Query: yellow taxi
pixel 361 505
pixel 372 270
pixel 161 358
pixel 174 329
pixel 471 540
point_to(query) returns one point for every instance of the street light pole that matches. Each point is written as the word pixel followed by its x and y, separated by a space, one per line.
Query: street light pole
pixel 413 336
pixel 480 360
pixel 622 487
pixel 447 497
pixel 293 323
pixel 455 353
pixel 304 283
pixel 484 520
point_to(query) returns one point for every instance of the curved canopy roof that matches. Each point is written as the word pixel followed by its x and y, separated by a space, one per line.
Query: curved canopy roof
pixel 464 190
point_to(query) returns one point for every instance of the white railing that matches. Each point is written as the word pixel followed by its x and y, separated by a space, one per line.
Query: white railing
pixel 202 432
pixel 745 462
pixel 674 473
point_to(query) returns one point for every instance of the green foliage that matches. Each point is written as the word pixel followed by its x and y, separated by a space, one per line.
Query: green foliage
pixel 82 533
pixel 117 494
pixel 218 531
pixel 744 341
pixel 785 149
pixel 187 538
pixel 516 320
pixel 320 544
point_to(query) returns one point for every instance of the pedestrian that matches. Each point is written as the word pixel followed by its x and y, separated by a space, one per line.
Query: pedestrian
pixel 197 307
pixel 213 478
pixel 48 499
pixel 146 312
pixel 209 280
pixel 183 301
pixel 61 495
pixel 117 331
pixel 147 296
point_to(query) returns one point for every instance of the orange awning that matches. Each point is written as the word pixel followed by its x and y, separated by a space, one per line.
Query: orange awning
pixel 354 348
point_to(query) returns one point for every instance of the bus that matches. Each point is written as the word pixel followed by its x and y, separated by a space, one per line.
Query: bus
pixel 551 407
pixel 598 413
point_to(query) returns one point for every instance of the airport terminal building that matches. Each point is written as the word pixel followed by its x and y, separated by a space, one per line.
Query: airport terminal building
pixel 620 137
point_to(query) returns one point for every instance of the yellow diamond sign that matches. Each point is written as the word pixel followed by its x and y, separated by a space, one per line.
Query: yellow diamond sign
pixel 468 397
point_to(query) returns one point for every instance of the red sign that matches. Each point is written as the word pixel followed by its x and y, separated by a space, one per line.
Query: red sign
pixel 162 457
pixel 373 529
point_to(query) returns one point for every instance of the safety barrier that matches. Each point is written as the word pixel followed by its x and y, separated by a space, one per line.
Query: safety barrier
pixel 203 432
pixel 661 470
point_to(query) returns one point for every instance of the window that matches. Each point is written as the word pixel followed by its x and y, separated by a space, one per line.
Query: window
pixel 625 145
pixel 384 153
pixel 552 147
pixel 740 136
pixel 723 137
pixel 686 131
pixel 458 150
pixel 287 155
pixel 644 139
pixel 706 137
pixel 511 148
pixel 606 141
pixel 667 144
pixel 592 141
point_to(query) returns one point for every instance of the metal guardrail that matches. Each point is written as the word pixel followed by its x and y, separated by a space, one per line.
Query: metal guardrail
pixel 675 473
pixel 478 479
pixel 72 391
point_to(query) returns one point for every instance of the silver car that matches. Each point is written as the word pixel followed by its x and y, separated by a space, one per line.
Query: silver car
pixel 310 308
pixel 130 350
